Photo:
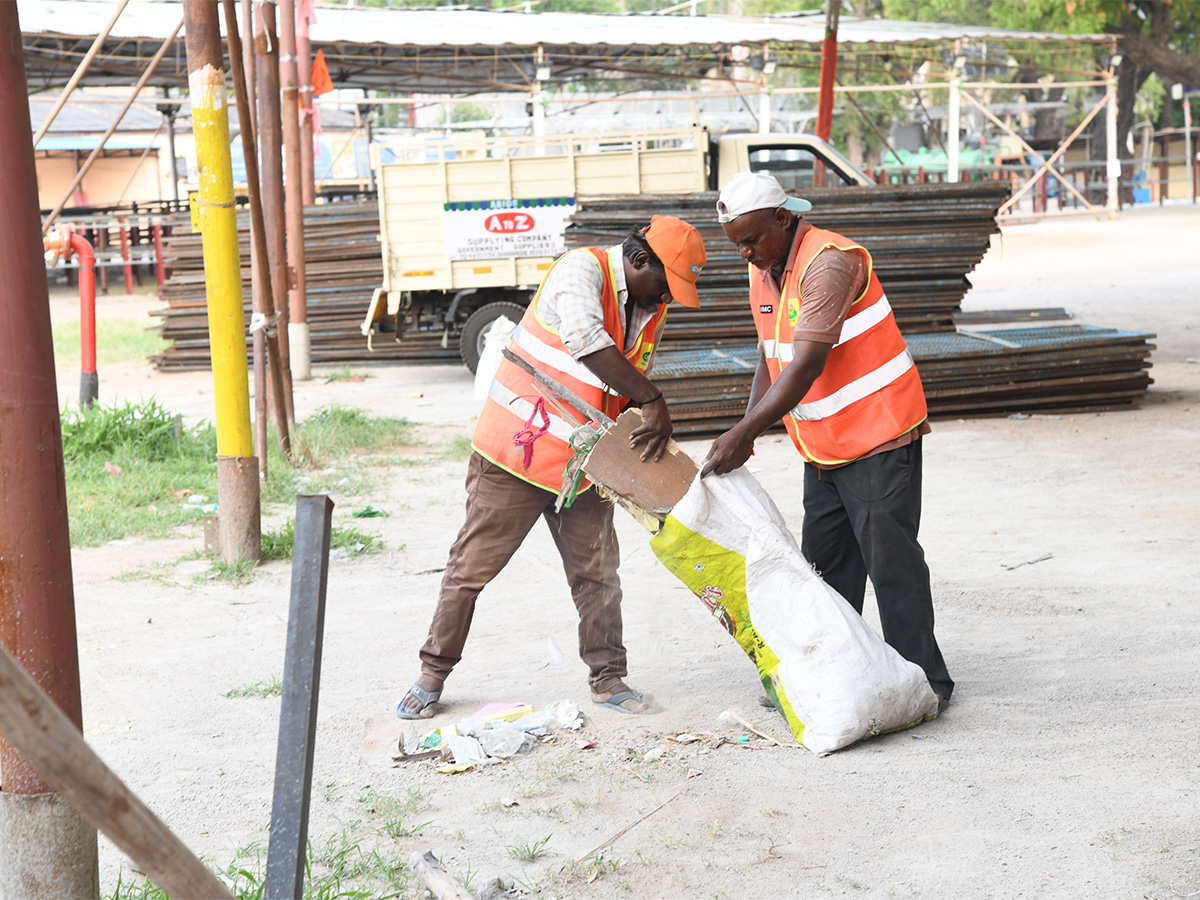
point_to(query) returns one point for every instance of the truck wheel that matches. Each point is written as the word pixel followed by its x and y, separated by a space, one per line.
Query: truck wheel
pixel 470 344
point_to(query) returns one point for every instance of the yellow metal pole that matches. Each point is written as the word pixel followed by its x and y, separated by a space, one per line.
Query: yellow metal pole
pixel 237 468
pixel 222 268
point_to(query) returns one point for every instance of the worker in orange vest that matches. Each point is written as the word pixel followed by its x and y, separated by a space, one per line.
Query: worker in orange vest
pixel 593 326
pixel 835 368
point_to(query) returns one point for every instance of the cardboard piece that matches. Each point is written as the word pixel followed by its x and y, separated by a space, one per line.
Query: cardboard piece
pixel 650 487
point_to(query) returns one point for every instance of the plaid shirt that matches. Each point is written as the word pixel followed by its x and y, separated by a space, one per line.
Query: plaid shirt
pixel 570 303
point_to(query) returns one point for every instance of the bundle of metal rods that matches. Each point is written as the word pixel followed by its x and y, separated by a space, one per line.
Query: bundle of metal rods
pixel 343 267
pixel 923 241
pixel 1071 368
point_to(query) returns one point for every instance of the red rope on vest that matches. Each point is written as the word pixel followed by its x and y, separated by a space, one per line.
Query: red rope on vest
pixel 526 436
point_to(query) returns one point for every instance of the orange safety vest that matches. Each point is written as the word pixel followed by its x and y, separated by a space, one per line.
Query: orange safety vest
pixel 514 393
pixel 869 392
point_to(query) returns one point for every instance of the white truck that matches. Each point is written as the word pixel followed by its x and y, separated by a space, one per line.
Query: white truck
pixel 470 224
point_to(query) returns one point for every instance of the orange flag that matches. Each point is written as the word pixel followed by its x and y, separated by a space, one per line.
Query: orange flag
pixel 321 82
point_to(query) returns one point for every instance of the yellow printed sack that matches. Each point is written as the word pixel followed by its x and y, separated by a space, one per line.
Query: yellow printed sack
pixel 824 668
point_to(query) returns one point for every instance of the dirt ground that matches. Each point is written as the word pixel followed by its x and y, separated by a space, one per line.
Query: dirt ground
pixel 1065 561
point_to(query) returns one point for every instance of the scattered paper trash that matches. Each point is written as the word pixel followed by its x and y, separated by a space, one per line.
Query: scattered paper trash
pixel 111 469
pixel 509 801
pixel 196 499
pixel 686 738
pixel 465 749
pixel 503 741
pixel 654 754
pixel 182 492
pixel 586 745
pixel 505 711
pixel 693 773
pixel 731 719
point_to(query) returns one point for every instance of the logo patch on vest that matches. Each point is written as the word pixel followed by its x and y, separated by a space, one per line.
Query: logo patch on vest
pixel 793 310
pixel 766 309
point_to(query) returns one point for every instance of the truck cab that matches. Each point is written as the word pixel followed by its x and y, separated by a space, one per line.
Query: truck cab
pixel 799 161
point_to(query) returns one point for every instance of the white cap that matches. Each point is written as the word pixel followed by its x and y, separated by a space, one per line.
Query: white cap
pixel 748 191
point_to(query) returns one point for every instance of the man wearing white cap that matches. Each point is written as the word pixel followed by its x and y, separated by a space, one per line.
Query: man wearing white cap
pixel 835 368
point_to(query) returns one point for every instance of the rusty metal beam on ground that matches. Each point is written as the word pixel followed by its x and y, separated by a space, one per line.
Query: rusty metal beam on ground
pixel 286 852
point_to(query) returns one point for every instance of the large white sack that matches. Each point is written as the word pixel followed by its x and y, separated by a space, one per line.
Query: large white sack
pixel 828 672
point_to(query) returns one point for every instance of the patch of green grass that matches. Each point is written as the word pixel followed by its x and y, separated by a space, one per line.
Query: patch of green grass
pixel 157 456
pixel 395 811
pixel 236 573
pixel 335 431
pixel 268 687
pixel 117 340
pixel 155 460
pixel 458 448
pixel 345 373
pixel 278 543
pixel 338 869
pixel 529 852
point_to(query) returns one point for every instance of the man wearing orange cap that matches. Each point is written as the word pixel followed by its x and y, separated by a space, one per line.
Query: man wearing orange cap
pixel 593 326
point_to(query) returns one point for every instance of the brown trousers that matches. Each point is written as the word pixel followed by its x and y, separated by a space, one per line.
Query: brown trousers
pixel 501 510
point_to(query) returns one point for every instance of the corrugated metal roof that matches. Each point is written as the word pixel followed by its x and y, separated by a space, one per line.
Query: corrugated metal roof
pixel 442 51
pixel 457 27
pixel 79 116
pixel 89 142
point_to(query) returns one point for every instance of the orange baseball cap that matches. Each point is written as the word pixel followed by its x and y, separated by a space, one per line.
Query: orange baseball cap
pixel 681 250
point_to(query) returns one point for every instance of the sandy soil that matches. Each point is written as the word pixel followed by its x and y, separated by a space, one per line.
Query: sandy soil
pixel 1065 560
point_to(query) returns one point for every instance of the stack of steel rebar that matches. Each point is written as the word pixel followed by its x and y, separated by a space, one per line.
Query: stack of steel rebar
pixel 923 240
pixel 1070 368
pixel 343 267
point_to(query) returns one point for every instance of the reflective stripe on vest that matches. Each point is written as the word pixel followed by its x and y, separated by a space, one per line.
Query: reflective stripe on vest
pixel 555 358
pixel 868 392
pixel 523 409
pixel 855 390
pixel 513 392
pixel 852 327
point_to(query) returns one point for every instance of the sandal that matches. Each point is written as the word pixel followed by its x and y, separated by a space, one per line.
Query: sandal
pixel 615 701
pixel 427 699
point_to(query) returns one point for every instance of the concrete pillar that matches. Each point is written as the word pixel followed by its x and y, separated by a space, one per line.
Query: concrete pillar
pixel 47 849
pixel 1110 141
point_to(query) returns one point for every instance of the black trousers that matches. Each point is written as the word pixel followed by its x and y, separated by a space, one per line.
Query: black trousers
pixel 861 520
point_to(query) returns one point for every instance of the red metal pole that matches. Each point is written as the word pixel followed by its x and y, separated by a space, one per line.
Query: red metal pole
pixel 298 338
pixel 160 273
pixel 125 256
pixel 89 379
pixel 270 131
pixel 828 69
pixel 37 600
pixel 305 17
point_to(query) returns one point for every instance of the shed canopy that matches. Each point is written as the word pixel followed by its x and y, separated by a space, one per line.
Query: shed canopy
pixel 464 50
